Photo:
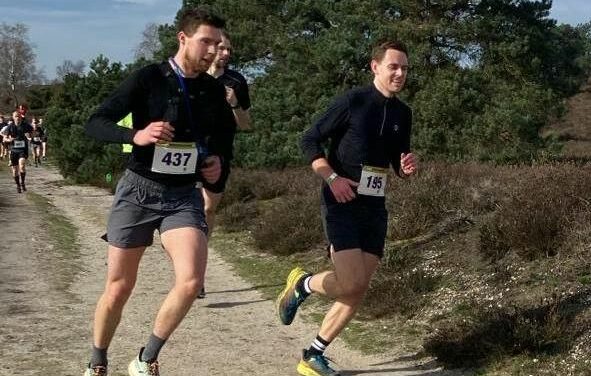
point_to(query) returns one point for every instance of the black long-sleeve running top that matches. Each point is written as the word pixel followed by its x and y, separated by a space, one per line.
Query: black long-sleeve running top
pixel 365 128
pixel 153 94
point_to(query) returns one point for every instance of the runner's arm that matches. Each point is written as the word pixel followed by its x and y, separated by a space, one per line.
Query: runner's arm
pixel 242 110
pixel 334 119
pixel 102 125
pixel 403 144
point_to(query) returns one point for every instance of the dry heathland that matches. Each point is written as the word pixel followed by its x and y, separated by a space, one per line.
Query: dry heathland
pixel 487 267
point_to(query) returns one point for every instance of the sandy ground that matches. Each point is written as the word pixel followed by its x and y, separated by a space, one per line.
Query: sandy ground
pixel 47 301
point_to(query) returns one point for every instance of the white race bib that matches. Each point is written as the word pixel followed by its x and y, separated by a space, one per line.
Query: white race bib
pixel 19 144
pixel 373 181
pixel 175 158
pixel 36 139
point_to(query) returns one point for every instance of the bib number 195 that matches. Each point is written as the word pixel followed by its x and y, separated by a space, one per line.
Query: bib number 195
pixel 375 182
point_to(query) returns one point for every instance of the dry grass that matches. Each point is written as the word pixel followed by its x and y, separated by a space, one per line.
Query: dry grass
pixel 487 259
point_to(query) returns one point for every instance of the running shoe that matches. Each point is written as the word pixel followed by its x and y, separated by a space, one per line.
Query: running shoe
pixel 290 298
pixel 24 187
pixel 18 189
pixel 201 294
pixel 137 367
pixel 95 371
pixel 315 365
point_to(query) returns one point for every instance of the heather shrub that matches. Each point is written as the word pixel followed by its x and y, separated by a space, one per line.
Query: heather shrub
pixel 401 286
pixel 480 336
pixel 246 185
pixel 238 216
pixel 438 191
pixel 536 217
pixel 289 224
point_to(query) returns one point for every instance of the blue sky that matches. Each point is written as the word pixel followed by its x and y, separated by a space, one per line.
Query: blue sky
pixel 82 29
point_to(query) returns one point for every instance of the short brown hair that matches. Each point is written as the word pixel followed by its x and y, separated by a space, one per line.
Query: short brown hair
pixel 379 51
pixel 191 18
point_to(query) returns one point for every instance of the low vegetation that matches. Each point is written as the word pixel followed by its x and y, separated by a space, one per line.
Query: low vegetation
pixel 488 266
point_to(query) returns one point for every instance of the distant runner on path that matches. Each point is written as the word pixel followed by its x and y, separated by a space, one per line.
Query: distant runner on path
pixel 18 135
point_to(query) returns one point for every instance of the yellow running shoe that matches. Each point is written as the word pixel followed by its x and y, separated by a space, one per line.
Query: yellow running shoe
pixel 290 298
pixel 315 365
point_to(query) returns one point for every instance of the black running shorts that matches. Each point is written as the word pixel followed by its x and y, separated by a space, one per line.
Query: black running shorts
pixel 15 155
pixel 354 225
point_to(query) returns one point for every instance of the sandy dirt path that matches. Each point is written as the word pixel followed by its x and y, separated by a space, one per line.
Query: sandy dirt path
pixel 47 301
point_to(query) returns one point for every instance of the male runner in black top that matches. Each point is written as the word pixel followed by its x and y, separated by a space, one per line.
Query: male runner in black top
pixel 37 135
pixel 369 130
pixel 18 135
pixel 239 100
pixel 43 139
pixel 180 119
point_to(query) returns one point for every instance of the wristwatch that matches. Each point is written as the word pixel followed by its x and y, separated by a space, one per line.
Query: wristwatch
pixel 332 177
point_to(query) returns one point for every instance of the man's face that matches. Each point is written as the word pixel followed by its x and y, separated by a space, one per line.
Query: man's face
pixel 199 50
pixel 16 117
pixel 222 58
pixel 390 73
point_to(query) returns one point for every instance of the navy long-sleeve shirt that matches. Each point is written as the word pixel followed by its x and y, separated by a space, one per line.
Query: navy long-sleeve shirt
pixel 153 94
pixel 365 128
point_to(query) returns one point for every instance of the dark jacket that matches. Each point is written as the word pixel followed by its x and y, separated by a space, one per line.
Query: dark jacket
pixel 364 128
pixel 153 93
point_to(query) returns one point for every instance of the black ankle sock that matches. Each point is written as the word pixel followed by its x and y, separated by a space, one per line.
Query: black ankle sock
pixel 99 357
pixel 300 287
pixel 152 349
pixel 318 346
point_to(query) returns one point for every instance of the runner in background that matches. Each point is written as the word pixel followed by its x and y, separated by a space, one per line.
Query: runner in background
pixel 18 134
pixel 238 98
pixel 37 136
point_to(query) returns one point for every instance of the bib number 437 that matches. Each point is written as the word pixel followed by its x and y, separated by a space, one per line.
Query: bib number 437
pixel 176 159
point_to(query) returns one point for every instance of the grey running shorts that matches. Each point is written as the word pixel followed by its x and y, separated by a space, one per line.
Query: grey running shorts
pixel 354 225
pixel 141 206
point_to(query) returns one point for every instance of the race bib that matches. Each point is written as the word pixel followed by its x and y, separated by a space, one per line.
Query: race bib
pixel 176 158
pixel 19 144
pixel 36 139
pixel 373 181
